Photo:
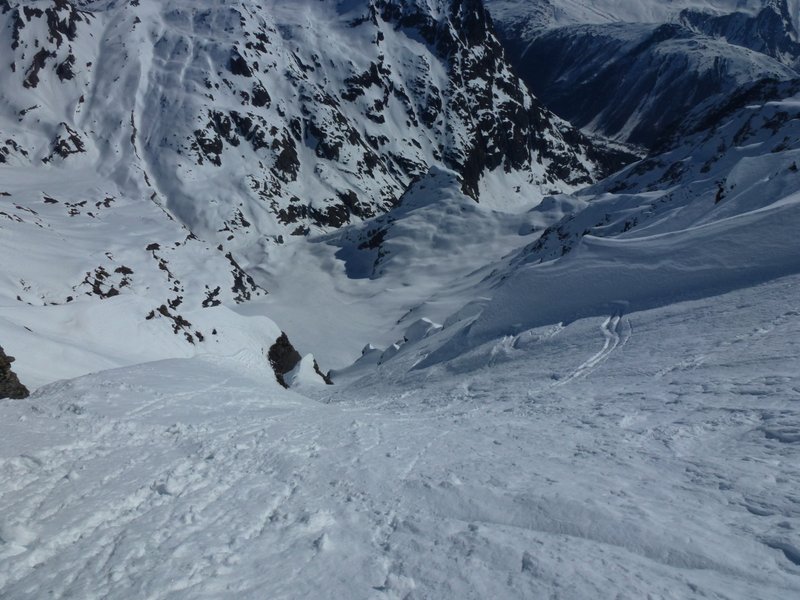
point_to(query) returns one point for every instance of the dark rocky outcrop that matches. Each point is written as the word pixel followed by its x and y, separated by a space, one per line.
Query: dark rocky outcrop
pixel 521 130
pixel 283 357
pixel 10 386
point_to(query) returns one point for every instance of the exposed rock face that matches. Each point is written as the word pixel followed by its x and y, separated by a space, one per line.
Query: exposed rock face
pixel 10 386
pixel 283 358
pixel 248 123
pixel 326 377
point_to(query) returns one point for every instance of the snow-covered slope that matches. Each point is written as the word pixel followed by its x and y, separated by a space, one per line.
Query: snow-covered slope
pixel 594 395
pixel 247 122
pixel 718 211
pixel 569 464
pixel 92 279
pixel 244 125
pixel 368 282
pixel 634 76
pixel 438 256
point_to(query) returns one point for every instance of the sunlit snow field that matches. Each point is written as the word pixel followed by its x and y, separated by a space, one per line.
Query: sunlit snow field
pixel 654 455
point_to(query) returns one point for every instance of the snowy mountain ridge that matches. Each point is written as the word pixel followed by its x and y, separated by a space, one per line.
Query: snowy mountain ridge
pixel 153 152
pixel 255 133
pixel 634 76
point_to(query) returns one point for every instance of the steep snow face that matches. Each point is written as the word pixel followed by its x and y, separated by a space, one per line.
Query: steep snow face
pixel 247 122
pixel 633 76
pixel 719 211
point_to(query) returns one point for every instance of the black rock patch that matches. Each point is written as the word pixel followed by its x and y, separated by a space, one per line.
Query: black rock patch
pixel 10 386
pixel 283 357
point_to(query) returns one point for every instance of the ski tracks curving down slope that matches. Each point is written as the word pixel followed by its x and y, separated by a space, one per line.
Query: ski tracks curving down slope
pixel 616 332
pixel 201 478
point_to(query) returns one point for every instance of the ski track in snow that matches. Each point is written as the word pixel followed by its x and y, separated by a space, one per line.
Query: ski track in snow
pixel 188 479
pixel 616 332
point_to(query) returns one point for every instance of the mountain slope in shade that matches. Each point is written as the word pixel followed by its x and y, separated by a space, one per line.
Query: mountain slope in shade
pixel 640 80
pixel 633 77
pixel 532 15
pixel 772 31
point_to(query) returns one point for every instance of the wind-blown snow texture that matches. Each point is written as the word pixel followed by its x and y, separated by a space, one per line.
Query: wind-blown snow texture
pixel 654 454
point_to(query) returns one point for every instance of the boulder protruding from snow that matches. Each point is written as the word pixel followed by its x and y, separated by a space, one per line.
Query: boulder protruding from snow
pixel 10 386
pixel 283 358
pixel 291 368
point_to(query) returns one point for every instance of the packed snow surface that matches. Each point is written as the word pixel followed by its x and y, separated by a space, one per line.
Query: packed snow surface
pixel 654 453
